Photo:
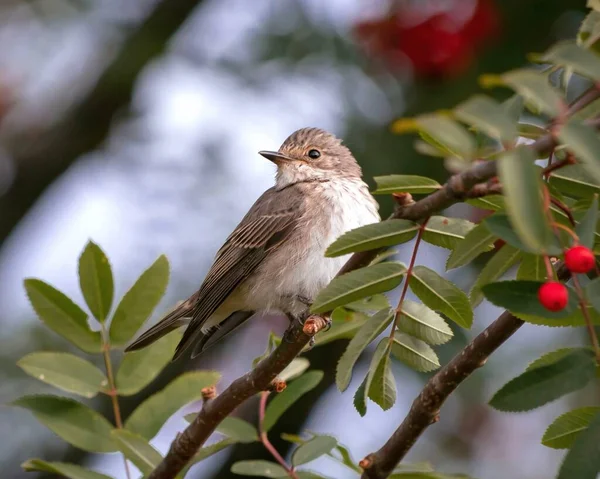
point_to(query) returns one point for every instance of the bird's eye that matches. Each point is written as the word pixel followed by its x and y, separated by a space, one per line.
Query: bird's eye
pixel 314 154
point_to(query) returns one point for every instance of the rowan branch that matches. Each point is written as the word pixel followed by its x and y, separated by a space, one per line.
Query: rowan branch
pixel 456 189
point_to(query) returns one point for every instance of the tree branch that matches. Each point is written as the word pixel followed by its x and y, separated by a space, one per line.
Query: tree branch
pixel 456 189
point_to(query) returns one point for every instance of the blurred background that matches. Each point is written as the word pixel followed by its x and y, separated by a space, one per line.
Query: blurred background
pixel 136 123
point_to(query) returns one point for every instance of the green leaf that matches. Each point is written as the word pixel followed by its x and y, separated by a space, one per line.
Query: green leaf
pixel 532 268
pixel 284 400
pixel 382 388
pixel 372 328
pixel 446 232
pixel 441 295
pixel 569 54
pixel 259 468
pixel 587 226
pixel 72 421
pixel 522 186
pixel 513 107
pixel 345 329
pixel 137 450
pixel 551 357
pixel 414 353
pixel 96 281
pixel 444 130
pixel 294 369
pixel 589 32
pixel 311 450
pixel 369 304
pixel 520 297
pixel 346 458
pixel 544 384
pixel 139 368
pixel 71 471
pixel 562 432
pixel 208 451
pixel 488 116
pixel 592 292
pixel 531 130
pixel 389 184
pixel 531 85
pixel 492 202
pixel 238 429
pixel 477 241
pixel 583 461
pixel 423 323
pixel 373 236
pixel 65 371
pixel 139 302
pixel 499 264
pixel 500 226
pixel 583 141
pixel 358 284
pixel 151 414
pixel 62 315
pixel 360 397
pixel 574 181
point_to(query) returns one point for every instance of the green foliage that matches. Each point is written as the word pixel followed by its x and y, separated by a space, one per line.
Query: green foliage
pixel 478 240
pixel 562 432
pixel 238 429
pixel 544 384
pixel 135 448
pixel 488 116
pixel 574 181
pixel 311 450
pixel 423 323
pixel 259 468
pixel 405 184
pixel 494 269
pixel 583 461
pixel 382 388
pixel 71 471
pixel 377 235
pixel 586 228
pixel 414 353
pixel 583 141
pixel 446 232
pixel 96 281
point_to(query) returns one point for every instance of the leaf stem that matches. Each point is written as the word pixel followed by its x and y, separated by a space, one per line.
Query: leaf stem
pixel 586 315
pixel 265 440
pixel 564 208
pixel 406 279
pixel 549 268
pixel 112 389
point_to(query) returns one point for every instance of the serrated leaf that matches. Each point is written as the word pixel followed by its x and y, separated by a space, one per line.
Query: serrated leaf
pixel 311 450
pixel 592 293
pixel 96 281
pixel 522 186
pixel 583 461
pixel 259 468
pixel 574 181
pixel 137 450
pixel 150 415
pixel 389 184
pixel 358 284
pixel 423 323
pixel 532 268
pixel 139 368
pixel 294 369
pixel 492 202
pixel 72 421
pixel 446 232
pixel 441 295
pixel 586 228
pixel 284 400
pixel 346 329
pixel 575 319
pixel 139 302
pixel 360 397
pixel 414 353
pixel 62 315
pixel 372 328
pixel 500 226
pixel 378 235
pixel 520 297
pixel 477 241
pixel 70 471
pixel 569 54
pixel 65 371
pixel 499 264
pixel 583 141
pixel 238 429
pixel 531 85
pixel 544 384
pixel 551 357
pixel 488 116
pixel 562 432
pixel 449 133
pixel 382 386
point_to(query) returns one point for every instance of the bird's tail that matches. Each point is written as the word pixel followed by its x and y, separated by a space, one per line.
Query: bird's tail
pixel 175 319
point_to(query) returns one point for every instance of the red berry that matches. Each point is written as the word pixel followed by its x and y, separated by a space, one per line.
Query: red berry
pixel 553 296
pixel 579 259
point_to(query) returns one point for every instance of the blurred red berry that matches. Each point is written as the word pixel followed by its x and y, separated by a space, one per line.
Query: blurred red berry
pixel 579 259
pixel 553 296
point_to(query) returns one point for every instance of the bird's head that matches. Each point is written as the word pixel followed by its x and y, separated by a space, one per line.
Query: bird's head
pixel 311 154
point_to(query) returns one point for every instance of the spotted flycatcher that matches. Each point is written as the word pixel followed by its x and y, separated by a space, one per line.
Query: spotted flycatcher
pixel 274 261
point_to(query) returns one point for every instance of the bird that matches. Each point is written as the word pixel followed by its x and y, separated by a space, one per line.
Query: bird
pixel 274 260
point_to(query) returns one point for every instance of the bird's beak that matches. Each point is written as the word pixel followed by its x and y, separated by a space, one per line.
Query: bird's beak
pixel 275 156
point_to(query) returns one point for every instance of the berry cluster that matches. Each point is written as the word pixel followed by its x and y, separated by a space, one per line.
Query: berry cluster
pixel 554 295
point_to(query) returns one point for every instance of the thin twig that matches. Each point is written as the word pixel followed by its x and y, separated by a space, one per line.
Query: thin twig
pixel 564 208
pixel 112 389
pixel 265 440
pixel 586 315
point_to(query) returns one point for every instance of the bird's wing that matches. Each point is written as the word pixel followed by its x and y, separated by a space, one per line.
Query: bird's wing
pixel 266 226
